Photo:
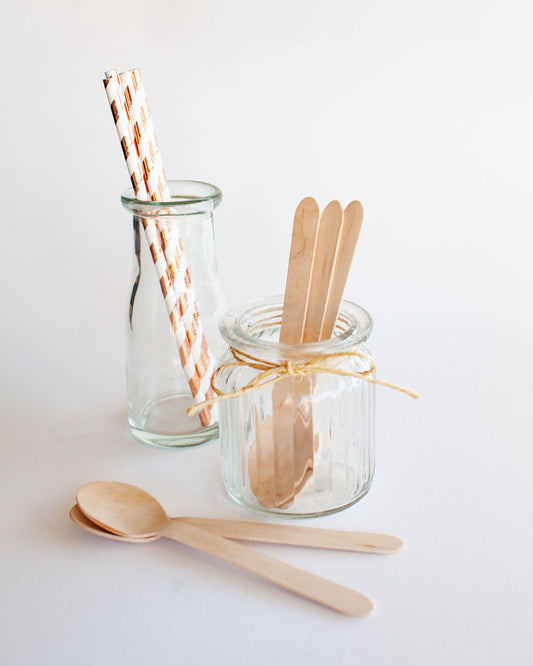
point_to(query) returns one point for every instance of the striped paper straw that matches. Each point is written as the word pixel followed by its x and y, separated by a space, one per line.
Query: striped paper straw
pixel 142 130
pixel 183 337
pixel 118 109
pixel 195 350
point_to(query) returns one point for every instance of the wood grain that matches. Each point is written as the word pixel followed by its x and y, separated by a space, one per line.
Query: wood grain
pixel 301 258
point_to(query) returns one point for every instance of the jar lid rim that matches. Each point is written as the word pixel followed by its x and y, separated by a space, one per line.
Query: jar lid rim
pixel 235 323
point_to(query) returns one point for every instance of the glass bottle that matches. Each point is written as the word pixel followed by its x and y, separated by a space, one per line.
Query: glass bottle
pixel 159 392
pixel 303 446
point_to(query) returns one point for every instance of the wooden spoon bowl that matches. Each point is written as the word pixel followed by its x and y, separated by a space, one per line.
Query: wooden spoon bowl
pixel 82 521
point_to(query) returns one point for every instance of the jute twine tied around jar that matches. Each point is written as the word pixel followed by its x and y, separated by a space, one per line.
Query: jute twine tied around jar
pixel 270 373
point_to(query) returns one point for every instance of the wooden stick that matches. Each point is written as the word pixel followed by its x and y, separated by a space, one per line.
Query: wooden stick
pixel 261 469
pixel 349 234
pixel 320 260
pixel 323 270
pixel 327 243
pixel 333 259
pixel 290 397
pixel 303 244
pixel 271 466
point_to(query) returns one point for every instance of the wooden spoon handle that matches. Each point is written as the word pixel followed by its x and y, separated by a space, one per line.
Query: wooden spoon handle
pixel 320 590
pixel 297 535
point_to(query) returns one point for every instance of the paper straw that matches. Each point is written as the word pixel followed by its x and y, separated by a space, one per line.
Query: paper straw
pixel 142 130
pixel 118 109
pixel 120 116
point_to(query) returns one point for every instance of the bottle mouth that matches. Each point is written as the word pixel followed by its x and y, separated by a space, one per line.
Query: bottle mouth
pixel 187 197
pixel 254 329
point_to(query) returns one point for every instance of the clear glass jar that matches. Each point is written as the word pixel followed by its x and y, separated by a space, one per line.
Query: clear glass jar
pixel 303 446
pixel 159 392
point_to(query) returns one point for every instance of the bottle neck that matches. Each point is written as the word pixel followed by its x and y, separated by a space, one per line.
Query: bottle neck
pixel 187 198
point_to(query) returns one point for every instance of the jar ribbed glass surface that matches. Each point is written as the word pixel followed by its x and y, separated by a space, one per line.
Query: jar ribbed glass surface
pixel 303 446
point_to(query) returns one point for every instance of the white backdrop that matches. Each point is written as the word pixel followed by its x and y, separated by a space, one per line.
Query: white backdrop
pixel 421 110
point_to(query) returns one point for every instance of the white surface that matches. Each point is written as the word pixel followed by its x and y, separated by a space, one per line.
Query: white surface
pixel 423 112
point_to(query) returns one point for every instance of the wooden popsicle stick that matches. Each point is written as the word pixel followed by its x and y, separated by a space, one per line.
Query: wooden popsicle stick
pixel 305 441
pixel 289 394
pixel 283 398
pixel 261 470
pixel 315 286
pixel 304 438
pixel 323 269
pixel 271 465
pixel 348 237
pixel 303 244
pixel 334 270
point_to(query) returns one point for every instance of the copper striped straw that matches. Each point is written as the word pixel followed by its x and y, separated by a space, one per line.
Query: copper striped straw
pixel 116 102
pixel 193 351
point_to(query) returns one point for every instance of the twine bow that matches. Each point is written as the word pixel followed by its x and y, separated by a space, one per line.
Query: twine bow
pixel 270 373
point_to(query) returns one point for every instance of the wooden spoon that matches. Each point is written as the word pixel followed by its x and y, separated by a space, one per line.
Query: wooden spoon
pixel 293 535
pixel 132 512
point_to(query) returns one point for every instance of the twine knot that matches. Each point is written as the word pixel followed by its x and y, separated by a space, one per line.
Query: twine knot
pixel 270 373
pixel 292 368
